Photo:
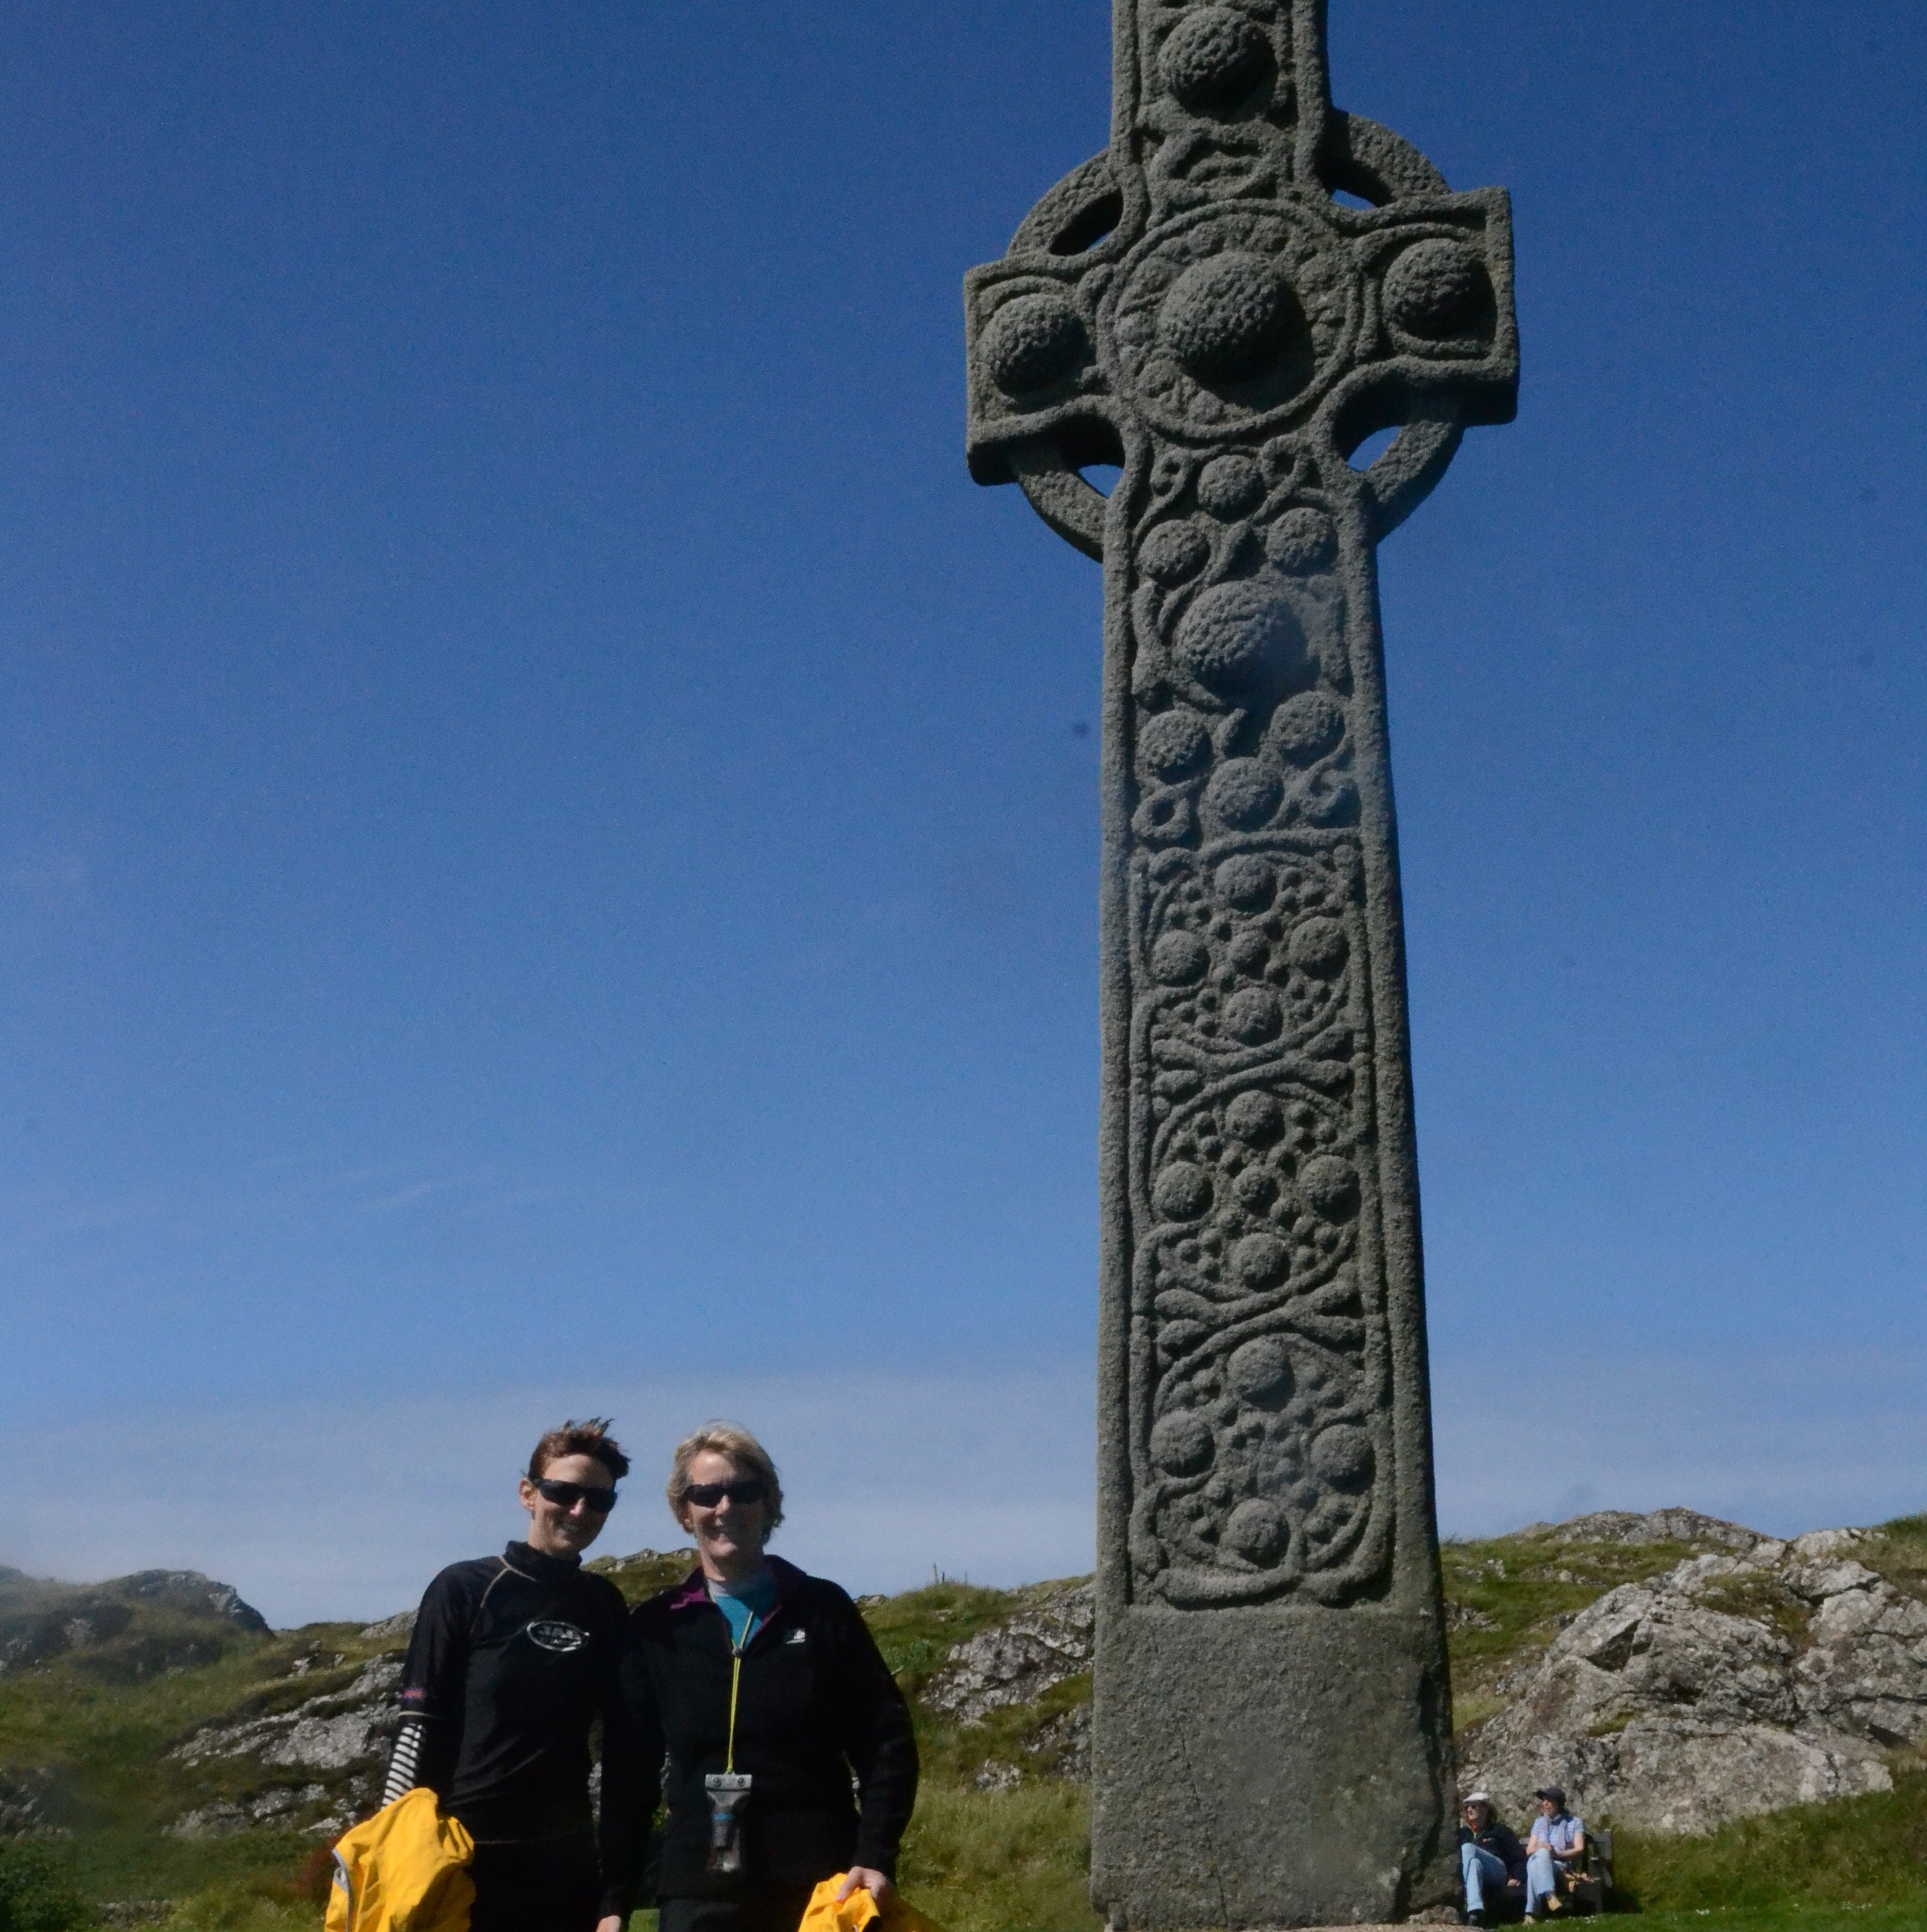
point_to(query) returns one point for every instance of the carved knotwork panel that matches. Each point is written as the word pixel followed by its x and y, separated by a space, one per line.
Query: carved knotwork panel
pixel 1257 1330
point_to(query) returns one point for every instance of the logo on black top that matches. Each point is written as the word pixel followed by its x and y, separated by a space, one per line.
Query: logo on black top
pixel 557 1635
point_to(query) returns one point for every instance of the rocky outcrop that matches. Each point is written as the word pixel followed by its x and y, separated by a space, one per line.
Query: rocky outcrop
pixel 40 1621
pixel 1039 1648
pixel 334 1731
pixel 188 1590
pixel 341 1734
pixel 1044 1643
pixel 1775 1674
pixel 1665 1525
pixel 282 1807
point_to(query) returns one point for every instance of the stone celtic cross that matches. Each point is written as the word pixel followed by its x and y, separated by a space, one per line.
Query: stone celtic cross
pixel 1197 305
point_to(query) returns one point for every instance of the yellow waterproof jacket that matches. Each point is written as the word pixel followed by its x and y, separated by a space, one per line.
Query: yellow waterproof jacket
pixel 404 1870
pixel 859 1912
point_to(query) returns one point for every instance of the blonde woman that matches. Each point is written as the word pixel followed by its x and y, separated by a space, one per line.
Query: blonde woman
pixel 765 1692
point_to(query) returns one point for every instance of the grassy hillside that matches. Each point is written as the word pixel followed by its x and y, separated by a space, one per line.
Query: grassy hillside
pixel 91 1732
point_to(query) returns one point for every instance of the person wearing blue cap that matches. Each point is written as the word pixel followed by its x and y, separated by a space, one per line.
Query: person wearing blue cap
pixel 1557 1845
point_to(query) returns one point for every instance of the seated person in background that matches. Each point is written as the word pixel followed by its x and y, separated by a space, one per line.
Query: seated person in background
pixel 1490 1860
pixel 1558 1842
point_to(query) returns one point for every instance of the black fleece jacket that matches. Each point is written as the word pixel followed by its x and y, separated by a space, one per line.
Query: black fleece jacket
pixel 816 1703
pixel 513 1659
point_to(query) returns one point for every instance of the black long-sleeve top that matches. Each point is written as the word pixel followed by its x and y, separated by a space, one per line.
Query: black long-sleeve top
pixel 1498 1839
pixel 514 1659
pixel 816 1703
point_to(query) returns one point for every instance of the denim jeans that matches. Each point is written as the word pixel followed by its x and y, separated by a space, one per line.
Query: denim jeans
pixel 1541 1880
pixel 1480 1868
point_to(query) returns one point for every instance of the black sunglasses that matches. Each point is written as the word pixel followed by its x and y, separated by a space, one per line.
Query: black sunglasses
pixel 566 1496
pixel 707 1495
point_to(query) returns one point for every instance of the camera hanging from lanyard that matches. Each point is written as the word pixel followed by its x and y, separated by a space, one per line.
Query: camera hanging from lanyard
pixel 728 1790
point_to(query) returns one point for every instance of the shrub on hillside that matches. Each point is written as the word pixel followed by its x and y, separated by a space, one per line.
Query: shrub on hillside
pixel 36 1894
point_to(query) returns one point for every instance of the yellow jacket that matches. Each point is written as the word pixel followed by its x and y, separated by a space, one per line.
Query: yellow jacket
pixel 859 1912
pixel 404 1870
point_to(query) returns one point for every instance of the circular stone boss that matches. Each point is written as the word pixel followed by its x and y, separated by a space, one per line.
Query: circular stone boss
pixel 1032 340
pixel 1256 1532
pixel 1212 57
pixel 1181 1442
pixel 1438 289
pixel 1156 337
pixel 1240 639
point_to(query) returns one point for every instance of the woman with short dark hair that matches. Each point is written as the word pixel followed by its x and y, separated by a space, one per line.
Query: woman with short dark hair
pixel 513 1659
pixel 767 1692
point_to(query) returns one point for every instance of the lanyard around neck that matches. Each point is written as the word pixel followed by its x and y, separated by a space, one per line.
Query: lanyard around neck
pixel 736 1650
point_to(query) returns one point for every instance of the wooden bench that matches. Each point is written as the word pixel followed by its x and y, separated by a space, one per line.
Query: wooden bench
pixel 1589 1887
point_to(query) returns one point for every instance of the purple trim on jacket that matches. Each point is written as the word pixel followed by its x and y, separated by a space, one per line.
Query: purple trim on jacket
pixel 694 1589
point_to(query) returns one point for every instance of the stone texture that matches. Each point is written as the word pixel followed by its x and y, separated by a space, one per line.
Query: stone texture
pixel 308 1808
pixel 330 1733
pixel 1270 1731
pixel 1665 1525
pixel 1731 1685
pixel 40 1620
pixel 342 1734
pixel 1018 1661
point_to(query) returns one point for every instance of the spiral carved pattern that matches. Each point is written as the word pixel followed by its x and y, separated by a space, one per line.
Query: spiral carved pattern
pixel 1257 1325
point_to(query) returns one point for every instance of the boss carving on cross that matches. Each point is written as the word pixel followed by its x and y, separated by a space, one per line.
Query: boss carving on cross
pixel 1199 306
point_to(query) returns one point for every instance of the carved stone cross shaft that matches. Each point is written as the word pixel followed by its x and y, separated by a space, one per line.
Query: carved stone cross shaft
pixel 1272 1721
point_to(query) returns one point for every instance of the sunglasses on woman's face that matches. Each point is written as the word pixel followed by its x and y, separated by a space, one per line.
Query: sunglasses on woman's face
pixel 566 1496
pixel 707 1495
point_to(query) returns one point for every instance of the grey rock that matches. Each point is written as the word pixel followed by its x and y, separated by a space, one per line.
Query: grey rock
pixel 1730 1686
pixel 1064 1744
pixel 189 1590
pixel 338 1731
pixel 28 1802
pixel 40 1621
pixel 1270 1742
pixel 402 1624
pixel 1666 1525
pixel 1018 1661
pixel 222 1819
pixel 308 1808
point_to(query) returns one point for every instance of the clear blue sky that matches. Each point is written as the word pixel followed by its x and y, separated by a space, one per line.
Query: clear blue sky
pixel 548 834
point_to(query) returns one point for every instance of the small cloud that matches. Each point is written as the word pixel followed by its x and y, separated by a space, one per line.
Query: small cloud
pixel 403 1197
pixel 50 882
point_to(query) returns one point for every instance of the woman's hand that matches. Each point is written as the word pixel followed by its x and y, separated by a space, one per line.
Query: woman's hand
pixel 858 1878
pixel 611 1924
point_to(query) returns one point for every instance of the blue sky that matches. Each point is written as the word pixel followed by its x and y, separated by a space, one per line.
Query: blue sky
pixel 548 832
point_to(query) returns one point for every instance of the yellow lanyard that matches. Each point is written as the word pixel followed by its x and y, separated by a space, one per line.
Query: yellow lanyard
pixel 736 1650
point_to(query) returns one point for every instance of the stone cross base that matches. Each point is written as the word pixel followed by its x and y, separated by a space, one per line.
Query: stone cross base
pixel 1266 1754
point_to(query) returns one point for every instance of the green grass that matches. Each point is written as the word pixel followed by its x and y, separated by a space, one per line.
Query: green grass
pixel 100 1734
pixel 38 1893
pixel 917 1631
pixel 1863 1852
pixel 98 1726
pixel 1788 1918
pixel 1897 1550
pixel 1016 1860
pixel 1516 1589
pixel 645 1572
